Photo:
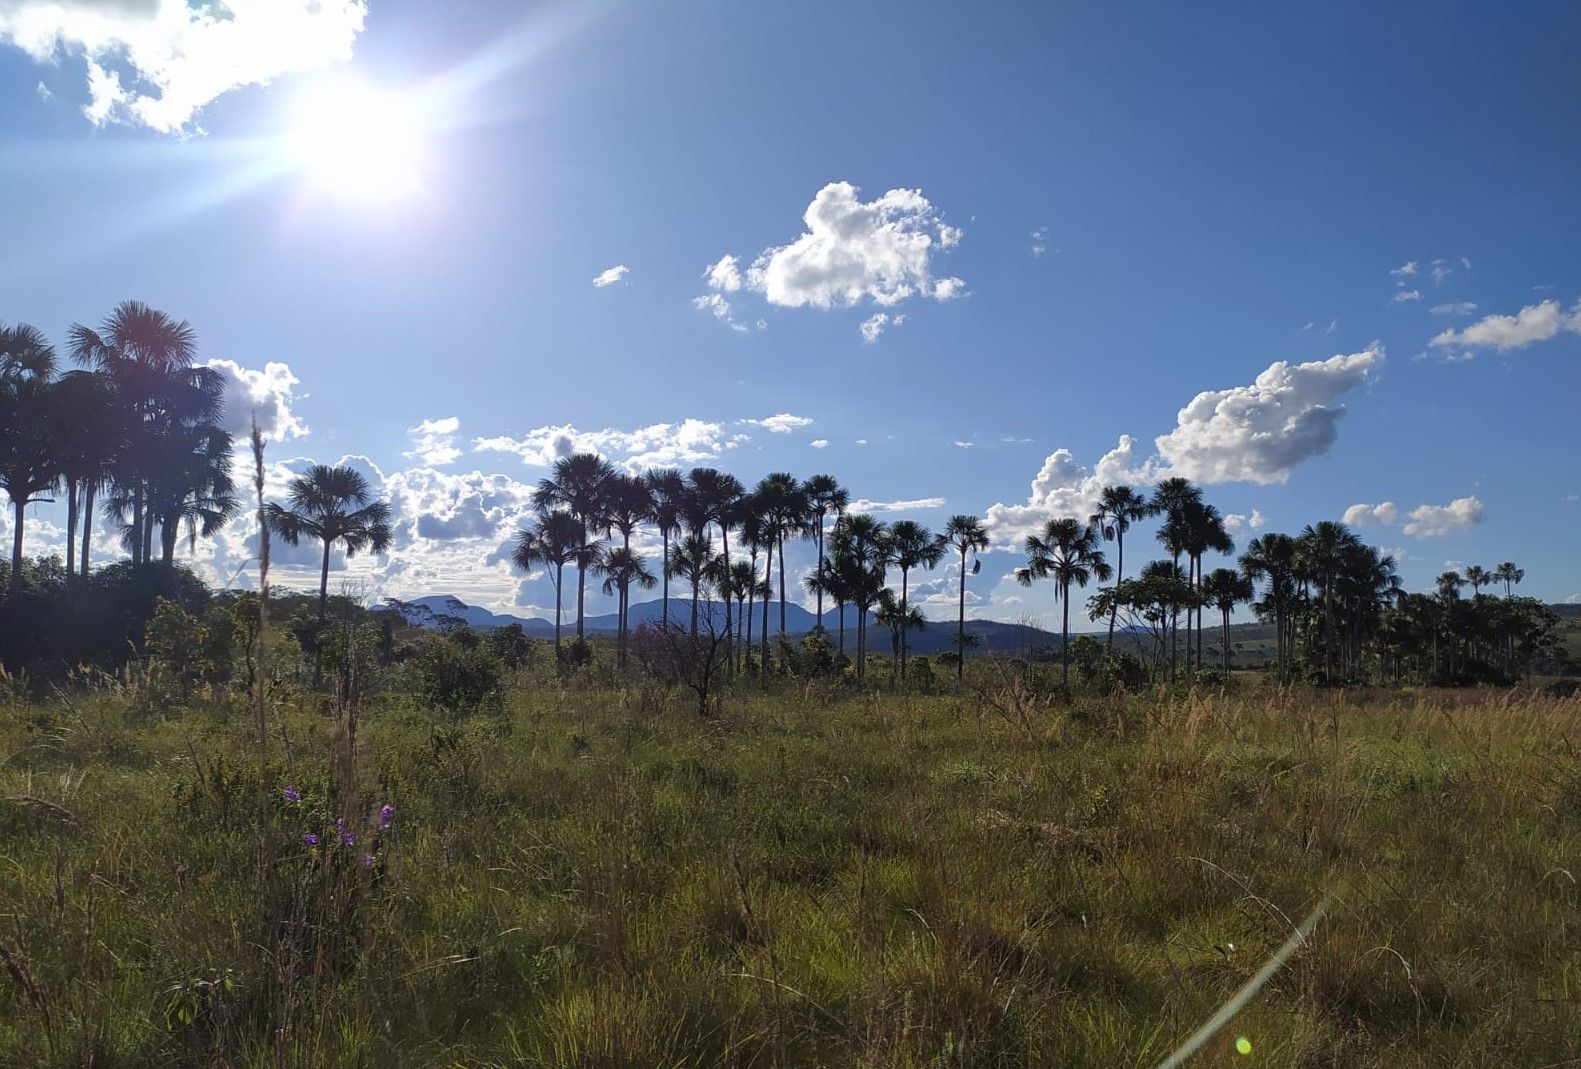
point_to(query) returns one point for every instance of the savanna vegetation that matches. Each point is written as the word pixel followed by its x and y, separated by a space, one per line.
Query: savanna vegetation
pixel 295 829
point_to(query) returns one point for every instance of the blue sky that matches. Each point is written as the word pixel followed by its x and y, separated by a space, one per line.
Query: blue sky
pixel 1211 192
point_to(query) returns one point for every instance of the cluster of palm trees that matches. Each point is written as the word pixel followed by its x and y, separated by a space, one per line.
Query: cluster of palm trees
pixel 587 511
pixel 133 429
pixel 1445 636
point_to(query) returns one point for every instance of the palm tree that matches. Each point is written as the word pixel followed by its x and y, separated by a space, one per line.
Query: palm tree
pixel 695 561
pixel 332 504
pixel 577 483
pixel 553 540
pixel 1066 552
pixel 716 497
pixel 87 440
pixel 893 613
pixel 911 545
pixel 1272 557
pixel 966 534
pixel 1478 577
pixel 621 568
pixel 1321 551
pixel 627 503
pixel 1204 530
pixel 1118 508
pixel 825 496
pixel 780 510
pixel 742 584
pixel 1170 500
pixel 1226 588
pixel 28 467
pixel 668 490
pixel 859 563
pixel 1511 576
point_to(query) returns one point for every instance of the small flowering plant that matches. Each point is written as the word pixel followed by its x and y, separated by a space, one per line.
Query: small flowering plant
pixel 313 834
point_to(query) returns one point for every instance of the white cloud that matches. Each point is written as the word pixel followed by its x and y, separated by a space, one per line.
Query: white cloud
pixel 43 92
pixel 783 423
pixel 959 444
pixel 1405 270
pixel 1431 521
pixel 1256 520
pixel 1385 513
pixel 434 441
pixel 882 250
pixel 874 325
pixel 158 62
pixel 1534 323
pixel 1040 240
pixel 819 443
pixel 692 441
pixel 1406 295
pixel 266 396
pixel 868 505
pixel 1235 521
pixel 610 276
pixel 1064 488
pixel 724 275
pixel 1258 433
pixel 1454 308
pixel 861 441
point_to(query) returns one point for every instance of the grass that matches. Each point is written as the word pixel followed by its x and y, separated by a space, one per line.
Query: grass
pixel 596 878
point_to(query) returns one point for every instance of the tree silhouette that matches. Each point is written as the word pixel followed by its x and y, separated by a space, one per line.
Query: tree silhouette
pixel 331 504
pixel 578 484
pixel 28 468
pixel 554 540
pixel 1226 588
pixel 967 535
pixel 825 497
pixel 1118 508
pixel 1066 552
pixel 911 545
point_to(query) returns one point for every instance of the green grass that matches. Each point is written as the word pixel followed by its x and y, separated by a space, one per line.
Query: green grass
pixel 597 878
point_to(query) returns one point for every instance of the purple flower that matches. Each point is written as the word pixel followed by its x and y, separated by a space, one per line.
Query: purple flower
pixel 386 814
pixel 367 861
pixel 310 839
pixel 348 838
pixel 292 795
pixel 340 824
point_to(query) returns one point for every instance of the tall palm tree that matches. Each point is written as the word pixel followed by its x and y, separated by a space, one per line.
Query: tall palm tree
pixel 621 568
pixel 695 561
pixel 1204 530
pixel 1170 500
pixel 743 584
pixel 1068 553
pixel 893 613
pixel 716 497
pixel 554 540
pixel 1226 588
pixel 87 443
pixel 967 535
pixel 1118 508
pixel 859 563
pixel 1511 576
pixel 1272 557
pixel 1321 550
pixel 1478 577
pixel 578 484
pixel 332 504
pixel 911 545
pixel 668 489
pixel 627 504
pixel 780 508
pixel 825 497
pixel 28 426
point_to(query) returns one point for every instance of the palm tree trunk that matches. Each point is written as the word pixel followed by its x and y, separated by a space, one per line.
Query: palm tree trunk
pixel 861 642
pixel 1119 575
pixel 724 542
pixel 903 629
pixel 1226 640
pixel 581 595
pixel 87 525
pixel 665 535
pixel 17 510
pixel 752 601
pixel 782 584
pixel 323 583
pixel 842 627
pixel 71 530
pixel 1064 638
pixel 559 586
pixel 960 625
pixel 768 572
pixel 820 569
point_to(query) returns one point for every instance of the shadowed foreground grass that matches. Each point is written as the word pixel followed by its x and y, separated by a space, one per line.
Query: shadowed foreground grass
pixel 812 879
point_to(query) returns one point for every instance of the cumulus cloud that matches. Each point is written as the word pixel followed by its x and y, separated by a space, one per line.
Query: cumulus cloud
pixel 1454 308
pixel 1385 513
pixel 1064 488
pixel 434 441
pixel 819 443
pixel 853 251
pixel 610 276
pixel 265 396
pixel 1433 521
pixel 1234 521
pixel 1406 295
pixel 1258 433
pixel 156 63
pixel 1534 323
pixel 692 441
pixel 783 423
pixel 1405 270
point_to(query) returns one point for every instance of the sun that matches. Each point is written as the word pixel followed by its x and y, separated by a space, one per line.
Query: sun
pixel 358 142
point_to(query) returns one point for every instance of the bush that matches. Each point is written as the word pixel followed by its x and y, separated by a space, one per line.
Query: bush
pixel 457 679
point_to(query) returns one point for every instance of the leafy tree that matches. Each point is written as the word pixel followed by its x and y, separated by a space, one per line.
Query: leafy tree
pixel 1118 508
pixel 859 564
pixel 553 539
pixel 893 613
pixel 911 545
pixel 1224 589
pixel 579 484
pixel 622 568
pixel 1511 576
pixel 668 491
pixel 28 467
pixel 825 497
pixel 330 505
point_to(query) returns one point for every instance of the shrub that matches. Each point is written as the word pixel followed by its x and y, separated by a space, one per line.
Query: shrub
pixel 456 679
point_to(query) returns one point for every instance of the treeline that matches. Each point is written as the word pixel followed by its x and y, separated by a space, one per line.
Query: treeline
pixel 134 432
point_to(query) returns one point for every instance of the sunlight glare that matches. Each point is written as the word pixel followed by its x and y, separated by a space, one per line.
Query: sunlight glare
pixel 358 142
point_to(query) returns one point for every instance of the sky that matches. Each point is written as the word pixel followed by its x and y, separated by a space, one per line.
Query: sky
pixel 981 258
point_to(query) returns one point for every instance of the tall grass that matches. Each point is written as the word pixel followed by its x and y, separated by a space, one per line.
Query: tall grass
pixel 596 878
